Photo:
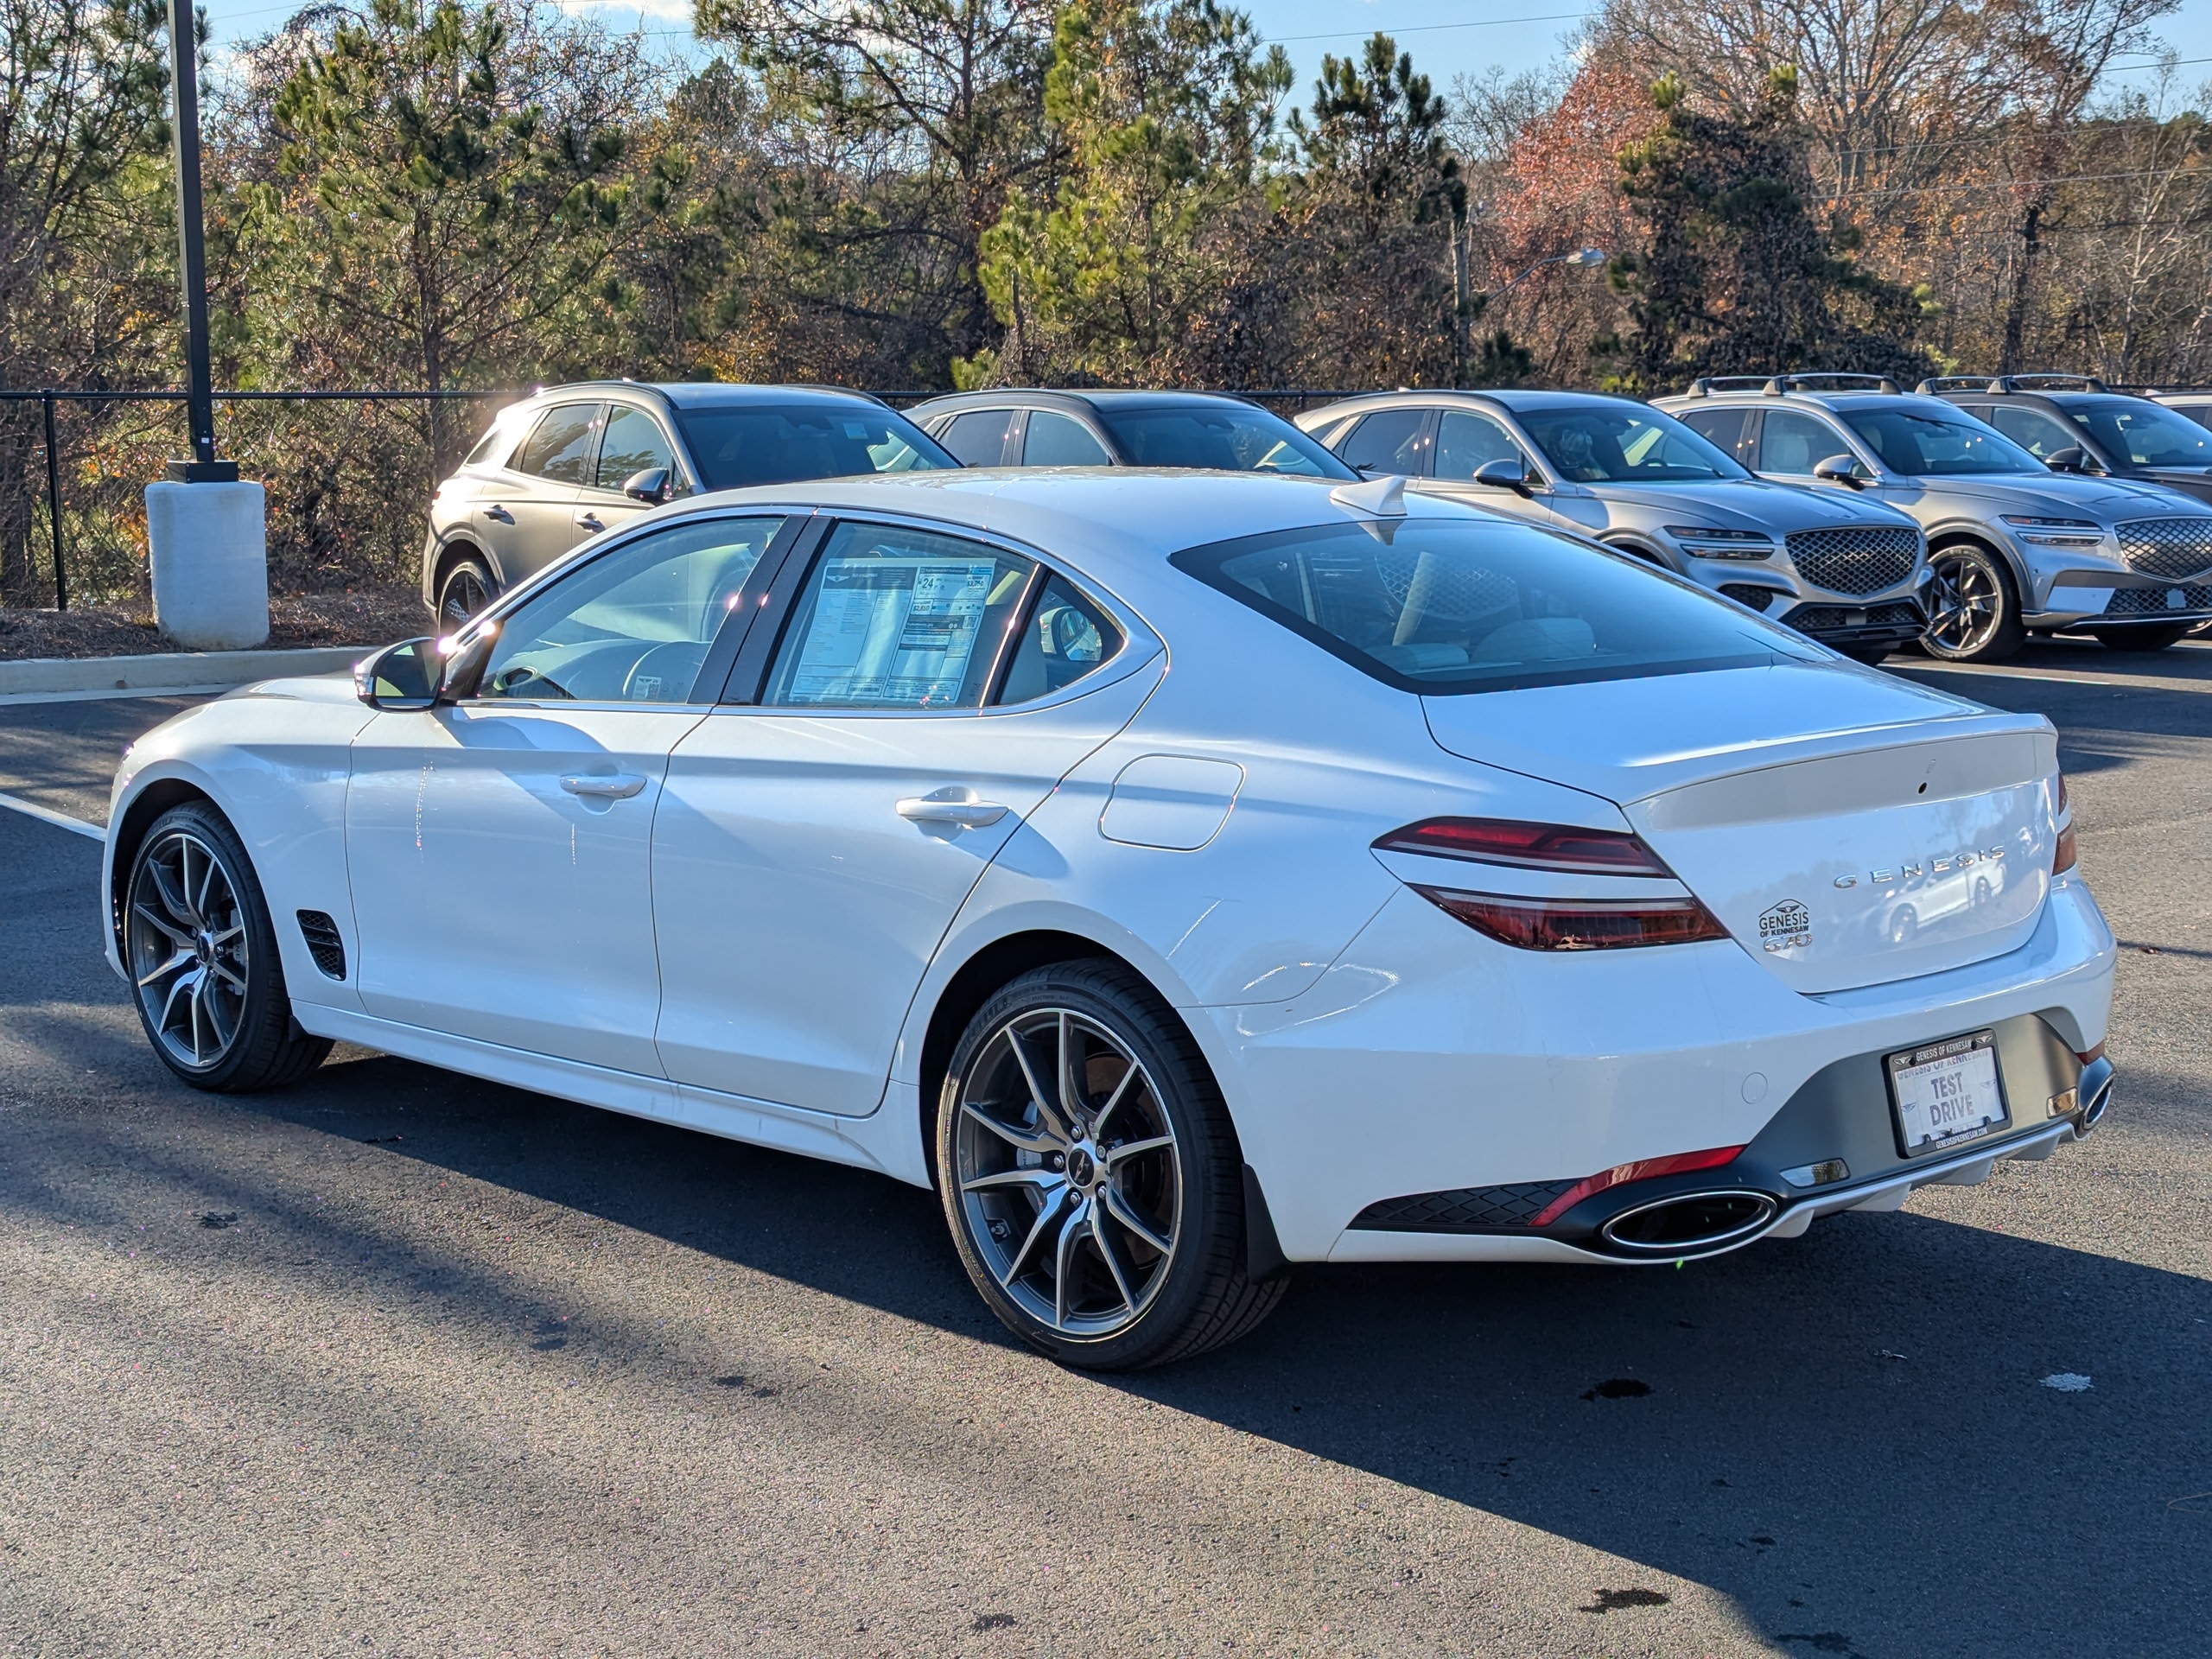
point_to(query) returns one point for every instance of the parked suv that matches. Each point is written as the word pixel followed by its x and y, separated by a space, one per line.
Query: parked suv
pixel 2198 405
pixel 1848 574
pixel 2016 547
pixel 1023 428
pixel 2071 423
pixel 560 467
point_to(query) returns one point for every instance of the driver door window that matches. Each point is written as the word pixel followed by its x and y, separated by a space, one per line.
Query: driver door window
pixel 2038 434
pixel 1793 443
pixel 1466 442
pixel 633 625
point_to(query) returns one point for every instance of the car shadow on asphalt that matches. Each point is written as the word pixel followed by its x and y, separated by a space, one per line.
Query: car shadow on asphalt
pixel 1871 1438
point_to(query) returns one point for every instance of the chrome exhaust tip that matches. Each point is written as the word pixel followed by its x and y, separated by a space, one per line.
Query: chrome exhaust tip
pixel 2095 1087
pixel 1689 1224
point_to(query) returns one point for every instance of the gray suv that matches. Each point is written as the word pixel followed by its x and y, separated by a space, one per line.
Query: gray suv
pixel 558 468
pixel 1849 573
pixel 2016 547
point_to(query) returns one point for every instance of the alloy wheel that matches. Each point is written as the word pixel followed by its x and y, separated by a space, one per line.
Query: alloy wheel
pixel 186 936
pixel 463 595
pixel 1069 1178
pixel 1966 603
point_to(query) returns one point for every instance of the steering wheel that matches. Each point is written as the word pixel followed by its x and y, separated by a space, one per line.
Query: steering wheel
pixel 665 673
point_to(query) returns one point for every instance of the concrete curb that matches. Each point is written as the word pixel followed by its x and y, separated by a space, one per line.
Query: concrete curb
pixel 179 671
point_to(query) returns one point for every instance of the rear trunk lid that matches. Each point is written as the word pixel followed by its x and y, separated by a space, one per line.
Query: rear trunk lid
pixel 1847 829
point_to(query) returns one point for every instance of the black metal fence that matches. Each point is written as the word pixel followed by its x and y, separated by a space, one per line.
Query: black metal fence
pixel 349 475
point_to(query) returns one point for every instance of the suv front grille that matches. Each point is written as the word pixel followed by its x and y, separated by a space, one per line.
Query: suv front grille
pixel 1862 559
pixel 2167 547
pixel 2149 602
pixel 1831 619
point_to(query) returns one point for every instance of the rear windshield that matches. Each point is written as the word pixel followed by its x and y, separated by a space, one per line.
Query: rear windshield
pixel 1440 605
pixel 736 448
pixel 1937 444
pixel 1601 444
pixel 1224 437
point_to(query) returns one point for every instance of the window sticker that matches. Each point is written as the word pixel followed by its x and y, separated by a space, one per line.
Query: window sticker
pixel 892 631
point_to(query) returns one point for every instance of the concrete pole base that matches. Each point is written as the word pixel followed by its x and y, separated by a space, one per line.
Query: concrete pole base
pixel 209 544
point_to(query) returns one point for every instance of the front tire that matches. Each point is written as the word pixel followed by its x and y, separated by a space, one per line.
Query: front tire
pixel 465 590
pixel 201 953
pixel 2140 638
pixel 1091 1176
pixel 1974 608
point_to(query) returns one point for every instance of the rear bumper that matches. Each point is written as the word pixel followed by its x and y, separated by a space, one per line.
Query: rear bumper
pixel 1428 1060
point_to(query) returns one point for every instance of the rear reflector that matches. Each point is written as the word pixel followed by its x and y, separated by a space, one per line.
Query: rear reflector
pixel 1578 924
pixel 2064 859
pixel 1642 1170
pixel 1528 846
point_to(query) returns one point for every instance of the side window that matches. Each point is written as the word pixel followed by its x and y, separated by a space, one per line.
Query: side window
pixel 1794 442
pixel 2201 413
pixel 978 439
pixel 1466 443
pixel 2040 435
pixel 633 624
pixel 559 448
pixel 1066 638
pixel 1721 428
pixel 488 445
pixel 1388 441
pixel 1061 440
pixel 892 618
pixel 633 442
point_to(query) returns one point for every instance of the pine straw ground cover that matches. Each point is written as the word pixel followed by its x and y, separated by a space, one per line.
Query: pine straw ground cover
pixel 344 618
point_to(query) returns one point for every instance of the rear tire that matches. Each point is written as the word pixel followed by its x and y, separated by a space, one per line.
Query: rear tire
pixel 1872 656
pixel 1974 608
pixel 200 951
pixel 2140 638
pixel 464 589
pixel 1091 1176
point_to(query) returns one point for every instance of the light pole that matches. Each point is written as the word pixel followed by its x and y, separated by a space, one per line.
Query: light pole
pixel 1465 304
pixel 1579 257
pixel 206 532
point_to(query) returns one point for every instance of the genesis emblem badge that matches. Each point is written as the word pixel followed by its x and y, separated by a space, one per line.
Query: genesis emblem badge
pixel 1786 925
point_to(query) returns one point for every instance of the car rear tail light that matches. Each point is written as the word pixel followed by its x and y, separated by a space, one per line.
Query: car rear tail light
pixel 1578 924
pixel 1644 1169
pixel 2066 855
pixel 1560 847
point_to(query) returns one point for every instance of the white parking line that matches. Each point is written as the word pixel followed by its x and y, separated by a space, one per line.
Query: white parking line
pixel 46 814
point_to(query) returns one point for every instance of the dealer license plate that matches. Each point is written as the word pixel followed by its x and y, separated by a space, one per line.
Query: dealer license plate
pixel 1946 1092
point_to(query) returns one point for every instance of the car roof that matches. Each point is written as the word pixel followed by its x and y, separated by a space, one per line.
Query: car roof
pixel 1110 523
pixel 712 394
pixel 1508 398
pixel 1102 399
pixel 1751 398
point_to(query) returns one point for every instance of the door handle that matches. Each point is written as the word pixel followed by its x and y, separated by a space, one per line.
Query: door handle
pixel 590 521
pixel 968 815
pixel 500 514
pixel 619 786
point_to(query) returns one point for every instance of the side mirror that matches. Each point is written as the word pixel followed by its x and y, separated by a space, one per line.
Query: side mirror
pixel 2072 459
pixel 1842 469
pixel 1504 474
pixel 402 677
pixel 653 487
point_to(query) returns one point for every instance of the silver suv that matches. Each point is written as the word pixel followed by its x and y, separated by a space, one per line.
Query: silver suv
pixel 1849 573
pixel 2016 547
pixel 558 468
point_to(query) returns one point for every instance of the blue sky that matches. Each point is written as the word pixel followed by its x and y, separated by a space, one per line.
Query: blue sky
pixel 1446 36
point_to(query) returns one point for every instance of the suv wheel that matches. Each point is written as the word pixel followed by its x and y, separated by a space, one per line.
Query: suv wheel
pixel 465 590
pixel 1091 1176
pixel 1974 610
pixel 202 951
pixel 2140 638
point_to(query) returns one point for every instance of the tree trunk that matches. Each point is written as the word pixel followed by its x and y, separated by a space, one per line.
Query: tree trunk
pixel 2016 308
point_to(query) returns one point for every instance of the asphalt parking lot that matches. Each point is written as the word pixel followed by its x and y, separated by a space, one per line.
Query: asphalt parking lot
pixel 396 1362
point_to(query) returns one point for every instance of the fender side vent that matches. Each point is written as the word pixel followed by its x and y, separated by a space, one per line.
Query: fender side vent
pixel 324 943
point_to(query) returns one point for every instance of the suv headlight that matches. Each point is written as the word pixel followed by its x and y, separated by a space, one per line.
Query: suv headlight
pixel 2055 532
pixel 1711 543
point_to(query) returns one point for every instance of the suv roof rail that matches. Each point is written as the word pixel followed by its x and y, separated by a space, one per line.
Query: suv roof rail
pixel 1936 385
pixel 1773 385
pixel 2019 382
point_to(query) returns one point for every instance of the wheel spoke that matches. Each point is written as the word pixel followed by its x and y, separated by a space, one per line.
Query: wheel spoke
pixel 1071 1085
pixel 222 971
pixel 1038 1229
pixel 1113 1261
pixel 199 990
pixel 168 1002
pixel 1047 1107
pixel 207 880
pixel 1041 1181
pixel 1125 1212
pixel 1114 1101
pixel 175 935
pixel 1064 1248
pixel 1026 1140
pixel 168 888
pixel 1115 1155
pixel 182 959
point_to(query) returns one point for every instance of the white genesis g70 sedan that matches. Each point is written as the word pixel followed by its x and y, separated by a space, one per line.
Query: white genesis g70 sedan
pixel 1187 874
